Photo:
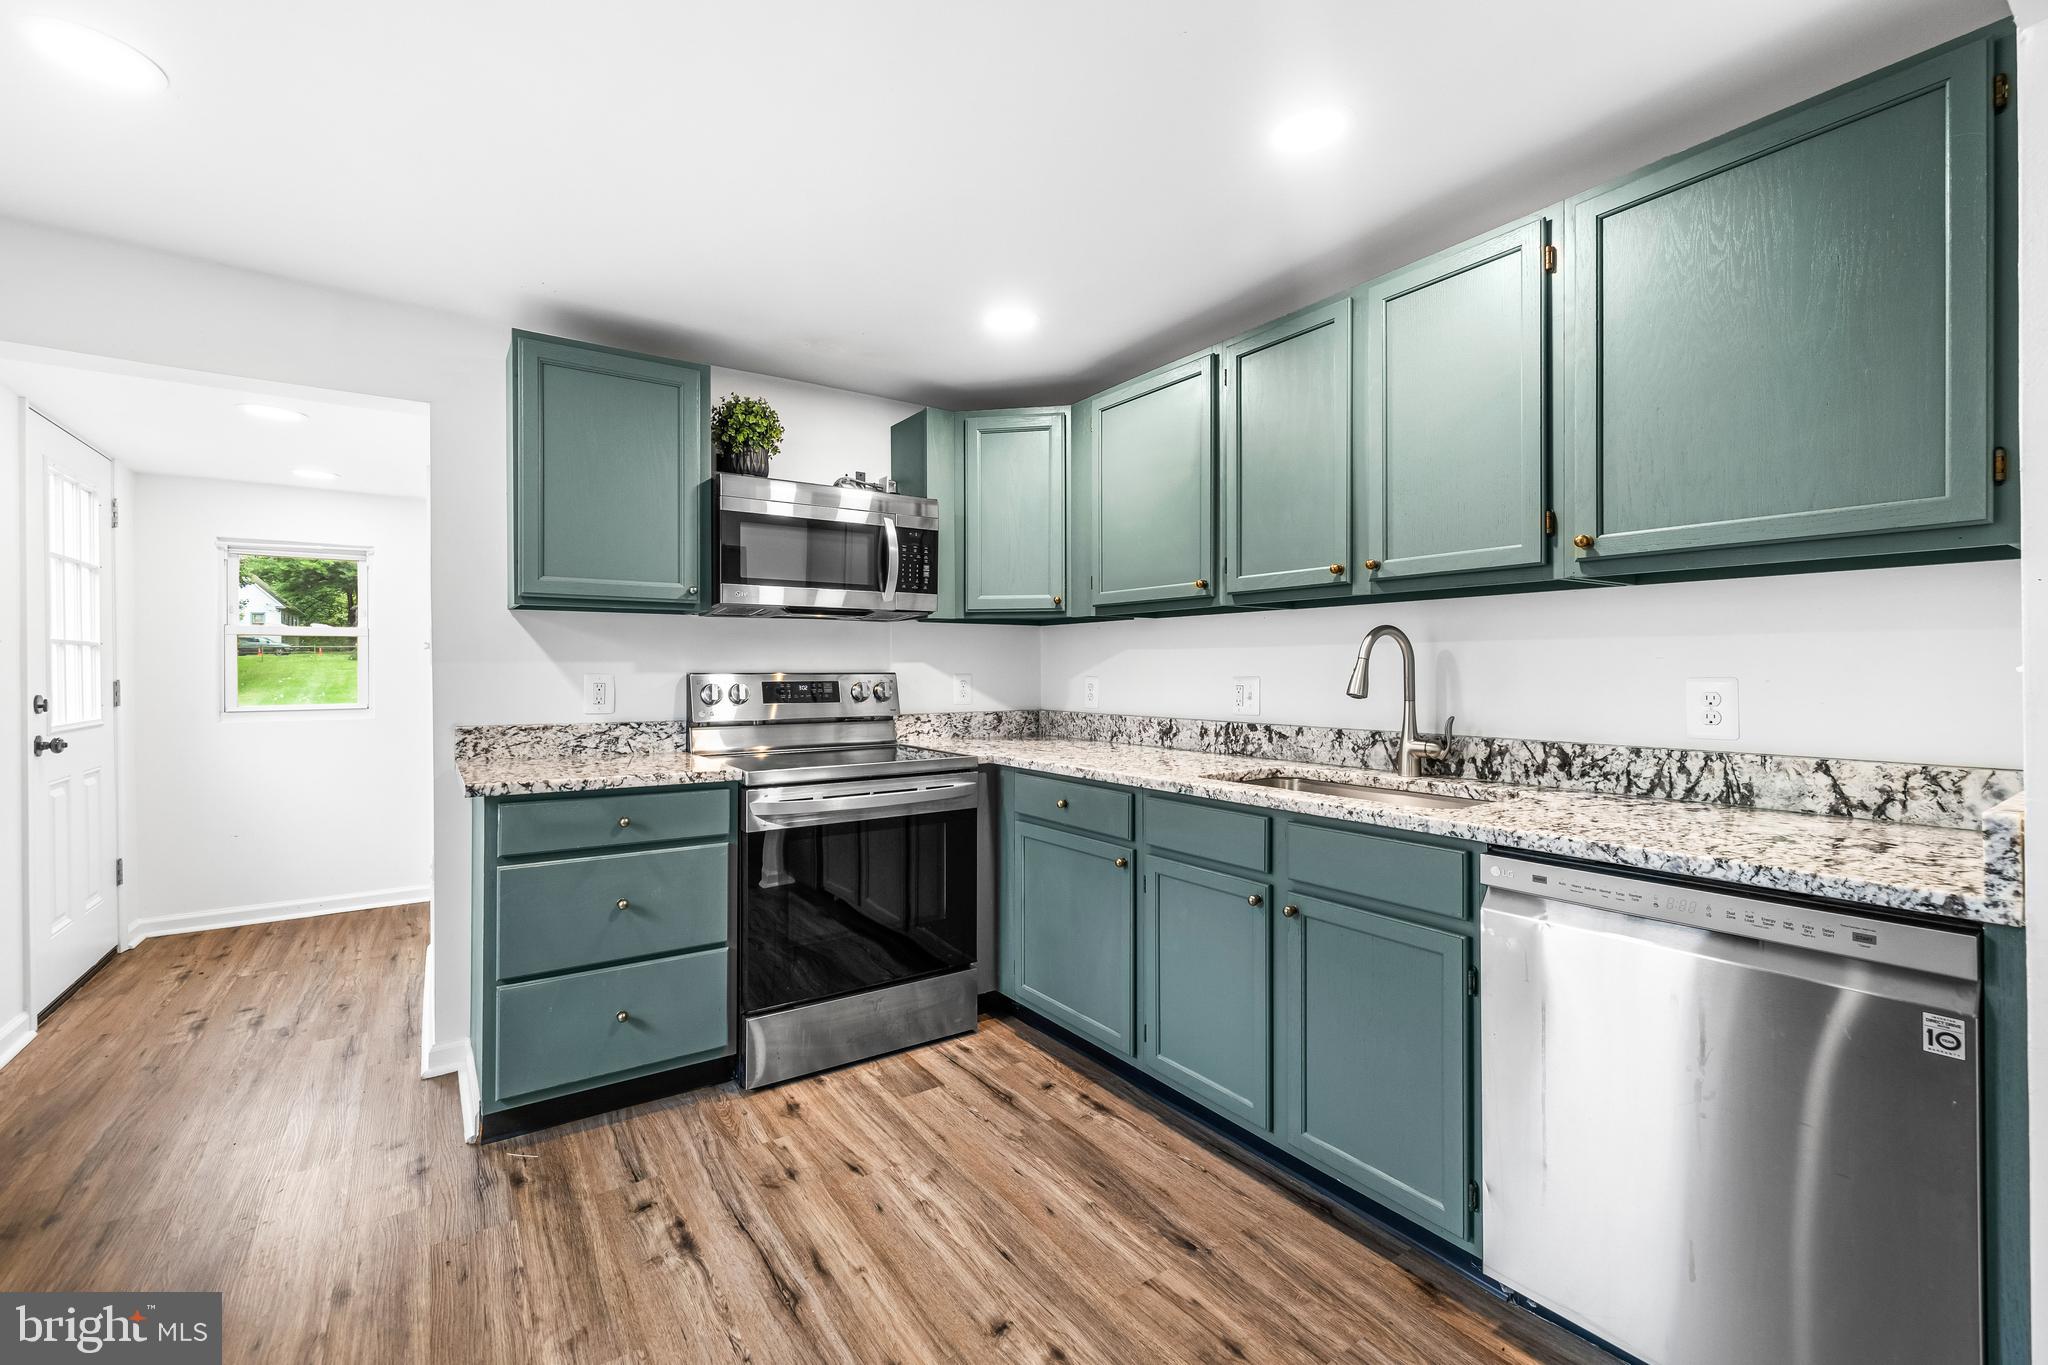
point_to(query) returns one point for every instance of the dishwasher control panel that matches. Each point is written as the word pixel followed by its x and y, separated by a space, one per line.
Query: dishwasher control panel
pixel 1924 948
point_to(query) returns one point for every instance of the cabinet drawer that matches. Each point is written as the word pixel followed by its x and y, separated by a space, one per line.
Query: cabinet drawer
pixel 565 1029
pixel 1073 805
pixel 1374 867
pixel 613 820
pixel 556 916
pixel 1240 838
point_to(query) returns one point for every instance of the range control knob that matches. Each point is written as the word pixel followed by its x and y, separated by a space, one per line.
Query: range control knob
pixel 881 691
pixel 859 691
pixel 709 694
pixel 738 694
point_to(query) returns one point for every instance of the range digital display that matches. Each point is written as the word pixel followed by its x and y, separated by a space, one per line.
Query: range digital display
pixel 777 693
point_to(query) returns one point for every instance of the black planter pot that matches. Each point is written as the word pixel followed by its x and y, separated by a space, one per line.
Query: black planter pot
pixel 754 462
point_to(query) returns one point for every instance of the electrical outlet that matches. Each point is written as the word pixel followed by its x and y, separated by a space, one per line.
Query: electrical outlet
pixel 599 696
pixel 963 689
pixel 1710 709
pixel 1244 696
pixel 1091 694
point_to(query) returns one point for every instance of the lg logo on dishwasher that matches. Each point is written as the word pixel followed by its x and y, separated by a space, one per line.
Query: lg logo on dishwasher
pixel 1944 1036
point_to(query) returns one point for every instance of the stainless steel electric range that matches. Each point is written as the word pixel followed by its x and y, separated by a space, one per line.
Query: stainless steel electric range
pixel 858 891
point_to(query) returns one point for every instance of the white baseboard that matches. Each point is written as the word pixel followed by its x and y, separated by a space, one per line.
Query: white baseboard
pixel 193 921
pixel 455 1056
pixel 15 1035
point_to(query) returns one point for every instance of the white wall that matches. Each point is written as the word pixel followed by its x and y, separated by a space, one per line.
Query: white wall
pixel 253 815
pixel 1915 665
pixel 17 1025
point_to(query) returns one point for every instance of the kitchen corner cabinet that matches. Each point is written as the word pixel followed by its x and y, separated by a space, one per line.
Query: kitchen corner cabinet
pixel 1286 456
pixel 1014 490
pixel 1151 448
pixel 1451 396
pixel 609 454
pixel 1783 345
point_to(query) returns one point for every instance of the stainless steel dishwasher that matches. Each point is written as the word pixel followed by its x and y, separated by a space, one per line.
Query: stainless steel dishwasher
pixel 1720 1128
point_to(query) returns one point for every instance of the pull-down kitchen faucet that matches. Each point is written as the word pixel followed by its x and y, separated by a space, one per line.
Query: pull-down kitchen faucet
pixel 1413 748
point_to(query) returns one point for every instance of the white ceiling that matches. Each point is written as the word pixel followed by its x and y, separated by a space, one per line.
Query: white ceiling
pixel 836 192
pixel 158 423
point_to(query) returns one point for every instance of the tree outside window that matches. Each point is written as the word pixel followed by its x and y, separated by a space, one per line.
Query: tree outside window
pixel 295 637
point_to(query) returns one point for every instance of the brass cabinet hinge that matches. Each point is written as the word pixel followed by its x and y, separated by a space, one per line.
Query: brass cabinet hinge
pixel 1549 522
pixel 2001 92
pixel 1998 464
pixel 1549 258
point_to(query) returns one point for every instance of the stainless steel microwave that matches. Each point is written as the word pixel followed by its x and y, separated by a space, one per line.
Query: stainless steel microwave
pixel 806 549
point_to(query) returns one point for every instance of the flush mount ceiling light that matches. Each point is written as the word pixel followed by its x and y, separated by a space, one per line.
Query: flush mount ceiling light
pixel 317 475
pixel 94 56
pixel 265 412
pixel 1010 320
pixel 1308 131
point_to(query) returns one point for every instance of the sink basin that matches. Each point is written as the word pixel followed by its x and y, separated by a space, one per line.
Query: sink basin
pixel 1386 796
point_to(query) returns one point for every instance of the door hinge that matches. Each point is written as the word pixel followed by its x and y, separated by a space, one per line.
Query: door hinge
pixel 117 691
pixel 1998 464
pixel 1549 258
pixel 1471 981
pixel 2001 92
pixel 114 513
pixel 1471 1196
pixel 1549 522
pixel 120 871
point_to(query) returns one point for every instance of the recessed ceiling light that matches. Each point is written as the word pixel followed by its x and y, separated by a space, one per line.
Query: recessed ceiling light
pixel 1010 320
pixel 89 53
pixel 318 475
pixel 1309 130
pixel 266 412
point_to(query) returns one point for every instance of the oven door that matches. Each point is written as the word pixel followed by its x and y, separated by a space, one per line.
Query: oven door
pixel 809 556
pixel 850 886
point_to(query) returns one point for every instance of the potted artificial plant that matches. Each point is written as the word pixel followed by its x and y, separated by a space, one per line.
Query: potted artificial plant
pixel 746 433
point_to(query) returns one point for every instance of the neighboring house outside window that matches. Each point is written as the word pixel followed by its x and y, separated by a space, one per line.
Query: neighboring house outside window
pixel 294 627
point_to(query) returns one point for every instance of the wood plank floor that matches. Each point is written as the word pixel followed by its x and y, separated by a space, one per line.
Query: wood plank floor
pixel 241 1110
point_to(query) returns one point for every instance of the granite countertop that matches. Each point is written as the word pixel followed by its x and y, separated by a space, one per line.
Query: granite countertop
pixel 1956 873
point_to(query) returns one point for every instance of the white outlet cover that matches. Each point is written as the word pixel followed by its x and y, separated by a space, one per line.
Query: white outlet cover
pixel 1244 696
pixel 1711 709
pixel 963 689
pixel 1091 694
pixel 600 696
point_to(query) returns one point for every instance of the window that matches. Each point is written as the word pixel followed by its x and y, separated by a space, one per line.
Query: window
pixel 74 538
pixel 293 633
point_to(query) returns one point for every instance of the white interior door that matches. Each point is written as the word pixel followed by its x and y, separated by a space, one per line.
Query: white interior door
pixel 69 571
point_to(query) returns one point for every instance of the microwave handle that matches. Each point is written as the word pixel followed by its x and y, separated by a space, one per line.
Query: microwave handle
pixel 895 559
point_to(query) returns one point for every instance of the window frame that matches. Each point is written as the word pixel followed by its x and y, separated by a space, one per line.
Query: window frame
pixel 232 631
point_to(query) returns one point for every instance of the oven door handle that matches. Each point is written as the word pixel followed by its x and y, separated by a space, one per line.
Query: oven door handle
pixel 767 811
pixel 894 557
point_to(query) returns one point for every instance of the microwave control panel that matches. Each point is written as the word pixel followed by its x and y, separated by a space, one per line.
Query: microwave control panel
pixel 917 565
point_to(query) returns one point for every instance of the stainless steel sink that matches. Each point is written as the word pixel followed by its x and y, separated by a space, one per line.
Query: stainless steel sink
pixel 1386 796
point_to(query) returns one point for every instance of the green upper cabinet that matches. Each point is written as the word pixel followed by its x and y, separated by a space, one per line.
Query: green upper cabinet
pixel 924 459
pixel 1015 501
pixel 1286 454
pixel 1452 411
pixel 1152 448
pixel 1787 335
pixel 609 457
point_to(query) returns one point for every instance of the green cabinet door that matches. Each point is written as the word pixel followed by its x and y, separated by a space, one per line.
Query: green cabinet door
pixel 1452 406
pixel 608 464
pixel 1154 458
pixel 1286 443
pixel 1016 500
pixel 1375 1056
pixel 1071 937
pixel 1786 335
pixel 1206 987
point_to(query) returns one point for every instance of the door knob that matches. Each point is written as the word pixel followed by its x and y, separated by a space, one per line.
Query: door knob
pixel 1290 911
pixel 624 903
pixel 1583 542
pixel 1123 862
pixel 623 1016
pixel 1201 585
pixel 625 820
pixel 1061 803
pixel 1336 568
pixel 1255 900
pixel 1372 565
pixel 1057 599
pixel 55 746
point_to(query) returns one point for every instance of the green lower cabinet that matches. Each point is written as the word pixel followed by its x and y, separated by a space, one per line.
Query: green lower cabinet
pixel 563 1032
pixel 1375 1062
pixel 1205 976
pixel 1071 937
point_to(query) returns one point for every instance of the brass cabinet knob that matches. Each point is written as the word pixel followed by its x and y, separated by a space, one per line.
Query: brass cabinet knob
pixel 1123 862
pixel 1061 803
pixel 624 904
pixel 1201 585
pixel 625 820
pixel 1372 565
pixel 1057 599
pixel 623 1016
pixel 1255 900
pixel 1290 910
pixel 1336 568
pixel 1583 542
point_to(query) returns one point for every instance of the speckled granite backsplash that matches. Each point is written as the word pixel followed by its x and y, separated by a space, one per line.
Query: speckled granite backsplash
pixel 1905 793
pixel 602 739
